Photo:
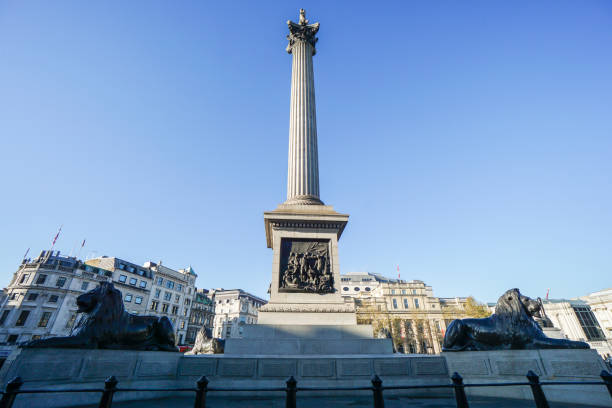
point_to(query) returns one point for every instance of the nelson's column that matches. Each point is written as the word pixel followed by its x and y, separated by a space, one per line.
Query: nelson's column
pixel 306 313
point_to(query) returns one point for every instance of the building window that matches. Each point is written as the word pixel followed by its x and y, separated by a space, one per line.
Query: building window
pixel 182 324
pixel 12 339
pixel 367 289
pixel 393 291
pixel 416 303
pixel 44 319
pixel 174 310
pixel 35 336
pixel 179 287
pixel 122 266
pixel 228 331
pixel 141 272
pixel 414 291
pixel 143 284
pixel 128 297
pixel 41 279
pixel 157 293
pixel 71 321
pixel 177 298
pixel 5 314
pixel 32 296
pixel 131 269
pixel 395 303
pixel 13 296
pixel 167 296
pixel 160 281
pixel 24 278
pixel 406 303
pixel 589 324
pixel 185 311
pixel 165 307
pixel 154 305
pixel 170 284
pixel 345 288
pixel 61 281
pixel 84 285
pixel 53 299
pixel 438 326
pixel 122 278
pixel 23 316
pixel 138 300
pixel 133 281
pixel 356 288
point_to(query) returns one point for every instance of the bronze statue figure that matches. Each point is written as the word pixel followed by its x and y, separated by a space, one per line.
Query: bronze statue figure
pixel 206 344
pixel 511 327
pixel 106 325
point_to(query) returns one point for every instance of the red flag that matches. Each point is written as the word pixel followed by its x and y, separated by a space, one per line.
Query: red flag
pixel 56 235
pixel 398 272
pixel 547 290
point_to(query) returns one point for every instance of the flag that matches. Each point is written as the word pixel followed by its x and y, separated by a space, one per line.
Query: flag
pixel 398 272
pixel 83 244
pixel 56 235
pixel 547 290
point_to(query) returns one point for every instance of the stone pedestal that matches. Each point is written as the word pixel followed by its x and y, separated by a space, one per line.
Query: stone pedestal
pixel 549 365
pixel 305 267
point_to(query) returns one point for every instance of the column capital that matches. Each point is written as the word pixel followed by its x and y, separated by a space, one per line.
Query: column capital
pixel 302 31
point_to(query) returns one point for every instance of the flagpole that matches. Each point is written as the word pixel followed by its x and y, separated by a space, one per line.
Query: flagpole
pixel 56 235
pixel 82 245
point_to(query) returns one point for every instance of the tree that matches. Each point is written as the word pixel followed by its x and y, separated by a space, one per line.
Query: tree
pixel 476 309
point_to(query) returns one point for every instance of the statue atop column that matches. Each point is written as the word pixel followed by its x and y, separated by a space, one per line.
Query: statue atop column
pixel 302 31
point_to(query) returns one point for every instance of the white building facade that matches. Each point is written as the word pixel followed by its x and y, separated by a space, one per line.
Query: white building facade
pixel 171 295
pixel 41 297
pixel 233 309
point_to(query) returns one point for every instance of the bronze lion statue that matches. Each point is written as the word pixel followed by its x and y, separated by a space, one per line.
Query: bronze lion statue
pixel 511 327
pixel 106 325
pixel 206 344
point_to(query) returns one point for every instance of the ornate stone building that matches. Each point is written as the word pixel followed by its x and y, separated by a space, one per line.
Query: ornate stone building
pixel 171 295
pixel 233 309
pixel 201 314
pixel 416 318
pixel 41 297
pixel 134 281
pixel 578 322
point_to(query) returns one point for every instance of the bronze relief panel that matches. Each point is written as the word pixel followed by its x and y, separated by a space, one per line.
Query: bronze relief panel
pixel 305 266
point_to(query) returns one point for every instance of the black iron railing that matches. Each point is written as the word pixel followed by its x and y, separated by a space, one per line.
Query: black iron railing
pixel 13 389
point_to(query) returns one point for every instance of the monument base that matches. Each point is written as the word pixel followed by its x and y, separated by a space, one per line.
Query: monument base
pixel 550 365
pixel 63 369
pixel 262 339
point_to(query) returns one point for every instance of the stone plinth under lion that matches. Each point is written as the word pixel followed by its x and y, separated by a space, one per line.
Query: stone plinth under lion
pixel 106 325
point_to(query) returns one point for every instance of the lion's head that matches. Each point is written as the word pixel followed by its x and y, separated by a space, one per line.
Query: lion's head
pixel 104 302
pixel 516 307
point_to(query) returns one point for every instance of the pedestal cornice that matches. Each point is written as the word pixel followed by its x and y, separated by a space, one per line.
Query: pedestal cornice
pixel 304 216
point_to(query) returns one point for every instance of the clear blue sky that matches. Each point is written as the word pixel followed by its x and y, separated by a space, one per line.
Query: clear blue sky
pixel 471 142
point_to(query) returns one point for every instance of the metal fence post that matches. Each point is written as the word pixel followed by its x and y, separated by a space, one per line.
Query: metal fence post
pixel 460 397
pixel 200 399
pixel 291 390
pixel 536 389
pixel 607 378
pixel 11 392
pixel 377 391
pixel 110 386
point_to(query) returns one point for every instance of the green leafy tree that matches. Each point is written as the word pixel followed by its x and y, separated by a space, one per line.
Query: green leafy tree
pixel 476 309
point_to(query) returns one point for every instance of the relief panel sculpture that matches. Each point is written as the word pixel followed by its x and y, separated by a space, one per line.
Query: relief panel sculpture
pixel 305 266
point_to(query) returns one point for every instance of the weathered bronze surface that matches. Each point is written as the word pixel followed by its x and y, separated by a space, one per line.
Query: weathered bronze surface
pixel 305 266
pixel 206 344
pixel 105 324
pixel 511 327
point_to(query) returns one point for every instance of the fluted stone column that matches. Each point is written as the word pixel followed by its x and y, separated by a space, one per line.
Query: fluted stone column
pixel 303 172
